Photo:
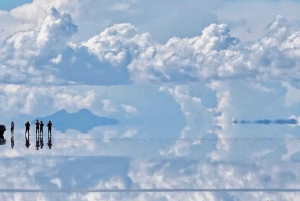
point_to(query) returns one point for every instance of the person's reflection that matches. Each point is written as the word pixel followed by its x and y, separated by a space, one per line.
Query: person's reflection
pixel 42 140
pixel 12 141
pixel 27 144
pixel 49 141
pixel 37 141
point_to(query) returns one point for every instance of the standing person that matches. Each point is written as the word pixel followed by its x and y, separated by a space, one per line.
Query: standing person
pixel 49 125
pixel 27 126
pixel 37 126
pixel 41 127
pixel 12 127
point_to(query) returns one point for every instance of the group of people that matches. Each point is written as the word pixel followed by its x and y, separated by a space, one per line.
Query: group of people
pixel 39 134
pixel 39 127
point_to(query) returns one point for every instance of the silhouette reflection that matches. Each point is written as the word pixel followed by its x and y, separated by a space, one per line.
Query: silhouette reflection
pixel 27 141
pixel 49 140
pixel 12 141
pixel 42 140
pixel 37 141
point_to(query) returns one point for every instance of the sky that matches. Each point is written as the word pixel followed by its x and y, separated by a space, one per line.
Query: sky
pixel 207 95
pixel 8 5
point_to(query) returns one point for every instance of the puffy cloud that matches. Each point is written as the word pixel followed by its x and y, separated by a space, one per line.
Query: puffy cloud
pixel 222 119
pixel 57 182
pixel 22 52
pixel 56 27
pixel 108 106
pixel 191 174
pixel 57 59
pixel 292 96
pixel 74 103
pixel 251 18
pixel 182 59
pixel 215 54
pixel 115 45
pixel 132 111
pixel 119 54
pixel 197 120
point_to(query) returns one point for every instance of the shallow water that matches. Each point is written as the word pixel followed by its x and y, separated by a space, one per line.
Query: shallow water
pixel 86 167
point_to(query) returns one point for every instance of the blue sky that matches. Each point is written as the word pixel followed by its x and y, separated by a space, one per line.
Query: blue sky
pixel 175 75
pixel 11 4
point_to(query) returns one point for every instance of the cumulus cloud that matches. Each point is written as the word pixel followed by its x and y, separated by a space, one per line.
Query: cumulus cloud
pixel 215 54
pixel 74 102
pixel 56 27
pixel 23 51
pixel 115 45
pixel 120 55
pixel 197 120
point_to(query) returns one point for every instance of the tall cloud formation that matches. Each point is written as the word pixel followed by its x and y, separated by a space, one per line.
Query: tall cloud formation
pixel 121 55
pixel 217 55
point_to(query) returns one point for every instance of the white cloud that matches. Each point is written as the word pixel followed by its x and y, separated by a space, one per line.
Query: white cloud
pixel 114 53
pixel 129 133
pixel 292 96
pixel 108 106
pixel 56 27
pixel 129 109
pixel 197 120
pixel 251 18
pixel 73 103
pixel 215 54
pixel 124 55
pixel 57 182
pixel 118 44
pixel 260 87
pixel 57 59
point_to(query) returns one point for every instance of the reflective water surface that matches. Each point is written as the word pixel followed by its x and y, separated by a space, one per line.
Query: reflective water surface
pixel 89 167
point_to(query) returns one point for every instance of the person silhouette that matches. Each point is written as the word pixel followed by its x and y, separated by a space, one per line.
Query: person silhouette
pixel 49 125
pixel 27 126
pixel 41 127
pixel 12 127
pixel 37 126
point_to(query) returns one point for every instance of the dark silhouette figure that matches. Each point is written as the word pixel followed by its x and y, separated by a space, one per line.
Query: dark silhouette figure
pixel 49 125
pixel 42 127
pixel 37 126
pixel 42 140
pixel 12 141
pixel 49 141
pixel 12 127
pixel 37 141
pixel 27 126
pixel 27 143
